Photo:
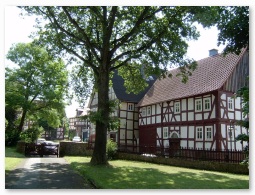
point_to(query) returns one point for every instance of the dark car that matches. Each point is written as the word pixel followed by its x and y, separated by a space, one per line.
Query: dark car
pixel 50 147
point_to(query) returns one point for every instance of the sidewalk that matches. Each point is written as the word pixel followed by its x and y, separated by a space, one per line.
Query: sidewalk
pixel 45 173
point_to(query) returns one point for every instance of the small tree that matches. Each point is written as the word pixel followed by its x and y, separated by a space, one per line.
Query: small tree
pixel 38 87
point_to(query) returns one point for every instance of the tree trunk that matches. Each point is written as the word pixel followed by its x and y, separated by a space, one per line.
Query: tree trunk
pixel 22 121
pixel 99 154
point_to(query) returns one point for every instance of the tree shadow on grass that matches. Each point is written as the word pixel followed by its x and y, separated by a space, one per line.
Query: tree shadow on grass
pixel 126 177
pixel 45 176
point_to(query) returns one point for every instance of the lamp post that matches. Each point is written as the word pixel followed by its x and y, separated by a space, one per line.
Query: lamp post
pixel 231 127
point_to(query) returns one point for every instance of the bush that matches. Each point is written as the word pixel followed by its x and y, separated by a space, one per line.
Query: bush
pixel 11 137
pixel 111 149
pixel 30 135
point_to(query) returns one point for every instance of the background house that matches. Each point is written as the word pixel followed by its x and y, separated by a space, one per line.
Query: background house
pixel 127 134
pixel 199 114
pixel 79 125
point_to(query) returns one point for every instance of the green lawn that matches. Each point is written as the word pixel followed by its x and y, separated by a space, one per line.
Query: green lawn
pixel 121 174
pixel 12 158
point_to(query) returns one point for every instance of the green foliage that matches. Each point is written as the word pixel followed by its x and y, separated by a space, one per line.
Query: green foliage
pixel 30 135
pixel 111 149
pixel 234 28
pixel 38 87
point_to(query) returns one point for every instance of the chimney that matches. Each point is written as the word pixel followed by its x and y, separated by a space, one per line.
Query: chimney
pixel 213 52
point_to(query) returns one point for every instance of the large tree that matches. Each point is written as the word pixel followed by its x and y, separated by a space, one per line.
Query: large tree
pixel 38 86
pixel 233 24
pixel 103 39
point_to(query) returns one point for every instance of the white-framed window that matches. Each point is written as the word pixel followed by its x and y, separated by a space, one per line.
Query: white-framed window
pixel 198 105
pixel 165 132
pixel 207 104
pixel 199 133
pixel 130 107
pixel 230 103
pixel 177 107
pixel 143 111
pixel 208 133
pixel 148 111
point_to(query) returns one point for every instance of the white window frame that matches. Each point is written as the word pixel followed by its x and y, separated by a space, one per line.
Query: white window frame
pixel 207 104
pixel 130 107
pixel 165 132
pixel 148 111
pixel 177 107
pixel 199 133
pixel 208 130
pixel 230 103
pixel 144 111
pixel 196 105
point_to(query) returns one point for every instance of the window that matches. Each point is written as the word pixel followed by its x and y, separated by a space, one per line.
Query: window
pixel 198 105
pixel 148 111
pixel 230 103
pixel 177 107
pixel 208 131
pixel 199 133
pixel 143 111
pixel 130 107
pixel 165 132
pixel 207 104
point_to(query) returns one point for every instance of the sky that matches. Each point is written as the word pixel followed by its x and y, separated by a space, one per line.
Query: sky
pixel 17 30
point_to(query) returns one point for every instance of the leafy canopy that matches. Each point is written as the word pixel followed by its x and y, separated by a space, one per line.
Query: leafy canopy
pixel 40 84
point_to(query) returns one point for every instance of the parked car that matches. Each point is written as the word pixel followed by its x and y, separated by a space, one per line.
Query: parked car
pixel 50 147
pixel 76 139
pixel 40 140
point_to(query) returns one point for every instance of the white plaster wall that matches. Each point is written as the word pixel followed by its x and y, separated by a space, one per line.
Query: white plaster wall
pixel 153 110
pixel 231 115
pixel 238 103
pixel 190 104
pixel 130 115
pixel 199 145
pixel 130 124
pixel 191 144
pixel 206 115
pixel 190 116
pixel 223 97
pixel 184 118
pixel 238 115
pixel 184 132
pixel 123 114
pixel 158 118
pixel 184 143
pixel 213 113
pixel 191 131
pixel 177 117
pixel 183 104
pixel 148 120
pixel 223 130
pixel 198 117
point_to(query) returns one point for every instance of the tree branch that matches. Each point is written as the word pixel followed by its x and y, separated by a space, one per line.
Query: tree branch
pixel 80 30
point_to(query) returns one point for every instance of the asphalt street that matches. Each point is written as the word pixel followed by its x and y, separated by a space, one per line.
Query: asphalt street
pixel 45 173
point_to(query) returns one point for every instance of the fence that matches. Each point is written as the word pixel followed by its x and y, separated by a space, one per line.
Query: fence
pixel 188 153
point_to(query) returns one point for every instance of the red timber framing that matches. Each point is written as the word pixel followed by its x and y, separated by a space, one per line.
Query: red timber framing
pixel 186 124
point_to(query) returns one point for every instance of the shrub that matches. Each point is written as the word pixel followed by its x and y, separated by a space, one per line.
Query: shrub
pixel 31 134
pixel 111 149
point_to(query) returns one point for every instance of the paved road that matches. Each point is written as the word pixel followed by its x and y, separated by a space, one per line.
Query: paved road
pixel 45 173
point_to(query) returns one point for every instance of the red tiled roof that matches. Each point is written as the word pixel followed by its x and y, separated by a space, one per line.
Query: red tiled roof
pixel 210 75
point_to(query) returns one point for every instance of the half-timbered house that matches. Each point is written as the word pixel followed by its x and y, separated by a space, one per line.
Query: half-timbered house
pixel 200 114
pixel 127 134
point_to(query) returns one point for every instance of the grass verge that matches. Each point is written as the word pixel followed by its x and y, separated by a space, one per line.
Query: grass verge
pixel 121 174
pixel 12 159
